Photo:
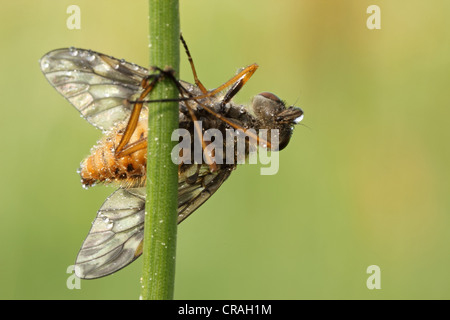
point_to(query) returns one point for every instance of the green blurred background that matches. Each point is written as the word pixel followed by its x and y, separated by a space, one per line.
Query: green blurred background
pixel 365 181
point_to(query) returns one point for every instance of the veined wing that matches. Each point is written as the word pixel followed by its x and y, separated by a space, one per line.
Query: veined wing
pixel 196 184
pixel 116 235
pixel 115 239
pixel 97 85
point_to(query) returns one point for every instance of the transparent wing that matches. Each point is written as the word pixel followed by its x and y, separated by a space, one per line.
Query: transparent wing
pixel 116 235
pixel 115 238
pixel 196 184
pixel 97 85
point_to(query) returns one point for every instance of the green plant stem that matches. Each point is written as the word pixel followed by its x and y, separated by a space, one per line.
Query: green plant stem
pixel 158 274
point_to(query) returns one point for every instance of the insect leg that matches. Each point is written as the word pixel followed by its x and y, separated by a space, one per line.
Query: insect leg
pixel 212 165
pixel 236 84
pixel 183 92
pixel 134 117
pixel 236 126
pixel 191 62
pixel 237 81
pixel 133 147
pixel 142 144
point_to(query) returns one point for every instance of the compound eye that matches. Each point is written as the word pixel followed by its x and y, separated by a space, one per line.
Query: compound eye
pixel 270 96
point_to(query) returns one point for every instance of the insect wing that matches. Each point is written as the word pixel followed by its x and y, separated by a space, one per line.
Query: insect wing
pixel 196 185
pixel 97 85
pixel 115 238
pixel 116 235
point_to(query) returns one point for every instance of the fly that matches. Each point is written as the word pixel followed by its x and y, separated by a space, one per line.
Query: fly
pixel 110 94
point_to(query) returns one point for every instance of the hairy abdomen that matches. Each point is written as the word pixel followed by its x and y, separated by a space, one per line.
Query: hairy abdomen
pixel 103 166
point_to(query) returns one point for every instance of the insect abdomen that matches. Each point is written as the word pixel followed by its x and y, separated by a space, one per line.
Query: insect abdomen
pixel 103 166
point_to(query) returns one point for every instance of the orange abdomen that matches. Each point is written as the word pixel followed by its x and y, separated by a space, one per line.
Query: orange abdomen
pixel 103 166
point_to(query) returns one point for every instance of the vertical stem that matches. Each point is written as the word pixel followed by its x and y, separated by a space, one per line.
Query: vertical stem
pixel 159 250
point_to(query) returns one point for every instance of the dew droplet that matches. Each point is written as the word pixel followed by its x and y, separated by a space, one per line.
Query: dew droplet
pixel 45 65
pixel 73 52
pixel 297 120
pixel 90 57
